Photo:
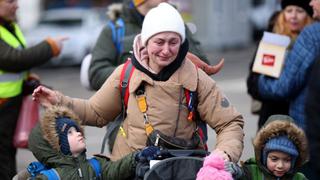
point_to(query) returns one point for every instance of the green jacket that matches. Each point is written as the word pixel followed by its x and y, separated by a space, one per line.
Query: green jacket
pixel 253 171
pixel 69 167
pixel 104 56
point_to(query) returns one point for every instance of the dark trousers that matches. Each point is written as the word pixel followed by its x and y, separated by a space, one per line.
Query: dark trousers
pixel 9 112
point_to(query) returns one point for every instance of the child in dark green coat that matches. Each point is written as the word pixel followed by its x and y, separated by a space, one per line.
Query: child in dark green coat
pixel 59 143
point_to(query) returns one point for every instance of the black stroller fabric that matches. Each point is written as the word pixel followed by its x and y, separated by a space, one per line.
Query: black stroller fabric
pixel 176 168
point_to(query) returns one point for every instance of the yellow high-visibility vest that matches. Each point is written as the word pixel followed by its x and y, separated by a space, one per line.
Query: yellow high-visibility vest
pixel 11 83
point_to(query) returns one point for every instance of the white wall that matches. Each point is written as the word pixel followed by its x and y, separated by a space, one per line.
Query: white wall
pixel 28 13
pixel 222 23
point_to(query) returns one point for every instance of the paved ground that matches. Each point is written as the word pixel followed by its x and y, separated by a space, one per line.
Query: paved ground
pixel 231 80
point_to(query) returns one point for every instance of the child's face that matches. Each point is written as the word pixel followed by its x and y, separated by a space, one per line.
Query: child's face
pixel 278 163
pixel 76 141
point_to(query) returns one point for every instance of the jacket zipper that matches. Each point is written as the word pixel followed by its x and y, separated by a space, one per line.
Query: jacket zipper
pixel 80 173
pixel 79 169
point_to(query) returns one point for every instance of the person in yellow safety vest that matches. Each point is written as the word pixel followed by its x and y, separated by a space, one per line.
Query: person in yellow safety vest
pixel 15 61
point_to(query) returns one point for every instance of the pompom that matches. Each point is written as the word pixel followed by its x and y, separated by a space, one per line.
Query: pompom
pixel 214 160
pixel 213 168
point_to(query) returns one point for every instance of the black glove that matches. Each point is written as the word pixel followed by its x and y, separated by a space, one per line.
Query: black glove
pixel 29 86
pixel 148 153
pixel 253 85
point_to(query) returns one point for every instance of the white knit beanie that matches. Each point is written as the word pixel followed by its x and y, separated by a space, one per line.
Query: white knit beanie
pixel 162 18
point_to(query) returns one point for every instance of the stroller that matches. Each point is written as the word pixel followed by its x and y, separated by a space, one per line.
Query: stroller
pixel 172 164
pixel 167 165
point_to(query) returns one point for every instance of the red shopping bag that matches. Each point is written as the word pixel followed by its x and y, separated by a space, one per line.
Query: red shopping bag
pixel 28 118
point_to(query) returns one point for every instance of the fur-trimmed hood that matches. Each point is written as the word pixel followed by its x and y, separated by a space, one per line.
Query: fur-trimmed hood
pixel 48 124
pixel 281 125
pixel 114 11
pixel 43 142
pixel 126 11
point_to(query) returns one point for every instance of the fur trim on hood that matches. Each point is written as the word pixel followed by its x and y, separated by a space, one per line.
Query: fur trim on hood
pixel 114 11
pixel 279 126
pixel 48 124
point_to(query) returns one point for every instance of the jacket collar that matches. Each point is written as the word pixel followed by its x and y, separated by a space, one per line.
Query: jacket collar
pixel 138 60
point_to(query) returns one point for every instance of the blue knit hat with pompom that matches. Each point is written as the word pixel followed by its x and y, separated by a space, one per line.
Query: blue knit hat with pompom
pixel 63 124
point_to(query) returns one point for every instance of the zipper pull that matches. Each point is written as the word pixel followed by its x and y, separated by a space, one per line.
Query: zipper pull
pixel 148 128
pixel 157 140
pixel 80 173
pixel 122 132
pixel 142 103
pixel 190 116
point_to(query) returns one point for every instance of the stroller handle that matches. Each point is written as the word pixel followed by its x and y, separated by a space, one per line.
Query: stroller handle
pixel 183 153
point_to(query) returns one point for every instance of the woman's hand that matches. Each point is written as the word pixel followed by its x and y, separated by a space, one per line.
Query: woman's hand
pixel 59 40
pixel 46 97
pixel 210 70
pixel 33 76
pixel 56 44
pixel 214 167
pixel 222 154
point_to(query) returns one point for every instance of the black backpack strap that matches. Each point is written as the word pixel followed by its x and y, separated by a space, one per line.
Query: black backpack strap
pixel 125 77
pixel 192 102
pixel 113 127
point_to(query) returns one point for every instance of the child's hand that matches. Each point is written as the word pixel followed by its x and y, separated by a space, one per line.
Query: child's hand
pixel 46 97
pixel 223 154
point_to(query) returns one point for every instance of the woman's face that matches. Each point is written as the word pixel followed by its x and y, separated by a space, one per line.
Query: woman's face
pixel 163 49
pixel 278 163
pixel 295 17
pixel 315 4
pixel 8 9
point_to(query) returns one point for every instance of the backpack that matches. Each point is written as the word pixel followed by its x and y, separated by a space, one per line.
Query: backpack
pixel 36 168
pixel 118 31
pixel 115 126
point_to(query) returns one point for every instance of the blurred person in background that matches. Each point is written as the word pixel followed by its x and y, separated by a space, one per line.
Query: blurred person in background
pixel 105 55
pixel 293 80
pixel 291 85
pixel 313 120
pixel 293 17
pixel 15 61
